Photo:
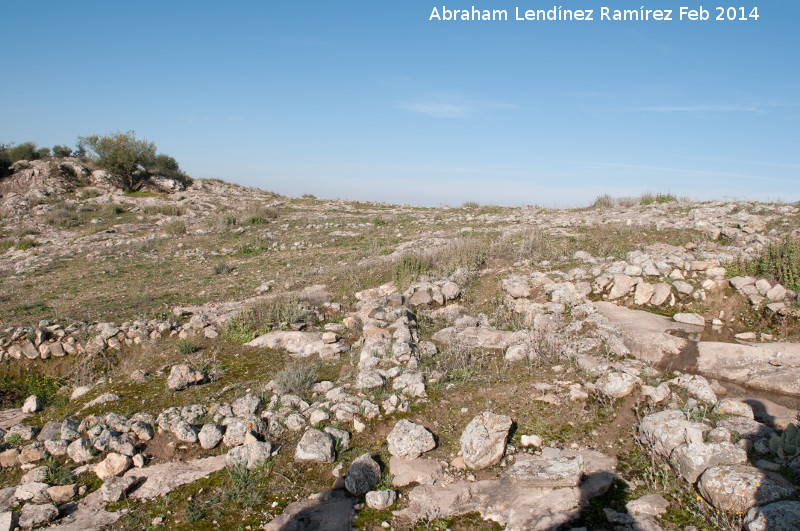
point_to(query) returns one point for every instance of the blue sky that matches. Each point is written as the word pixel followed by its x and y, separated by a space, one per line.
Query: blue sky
pixel 371 100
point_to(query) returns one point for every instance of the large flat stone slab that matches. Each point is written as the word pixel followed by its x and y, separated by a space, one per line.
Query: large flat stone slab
pixel 646 334
pixel 772 367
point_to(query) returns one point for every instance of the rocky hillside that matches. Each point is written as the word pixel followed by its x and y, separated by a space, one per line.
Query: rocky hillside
pixel 224 357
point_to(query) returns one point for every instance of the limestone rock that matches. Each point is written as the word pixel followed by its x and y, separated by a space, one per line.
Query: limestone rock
pixel 783 515
pixel 210 436
pixel 697 386
pixel 33 515
pixel 547 472
pixel 34 492
pixel 115 489
pixel 690 319
pixel 249 404
pixel 622 286
pixel 644 292
pixel 650 504
pixel 691 460
pixel 80 450
pixel 250 455
pixel 617 384
pixel 728 406
pixel 381 500
pixel 409 440
pixel 113 465
pixel 483 441
pixel 316 446
pixel 666 430
pixel 661 293
pixel 746 428
pixel 182 376
pixel 407 471
pixel 32 404
pixel 737 488
pixel 61 494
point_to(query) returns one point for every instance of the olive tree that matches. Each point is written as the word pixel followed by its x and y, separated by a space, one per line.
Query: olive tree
pixel 124 156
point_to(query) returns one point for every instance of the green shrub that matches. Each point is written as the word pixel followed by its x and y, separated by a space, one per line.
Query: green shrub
pixel 409 268
pixel 185 347
pixel 166 210
pixel 43 153
pixel 263 316
pixel 63 216
pixel 89 193
pixel 259 215
pixel 222 268
pixel 175 228
pixel 603 201
pixel 665 198
pixel 58 473
pixel 5 161
pixel 62 151
pixel 15 440
pixel 6 243
pixel 296 379
pixel 780 262
pixel 470 204
pixel 24 151
pixel 23 244
pixel 244 487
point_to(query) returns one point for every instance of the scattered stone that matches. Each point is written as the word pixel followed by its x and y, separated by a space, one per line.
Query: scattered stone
pixel 62 494
pixel 33 515
pixel 380 500
pixel 690 319
pixel 34 492
pixel 317 446
pixel 783 515
pixel 650 504
pixel 32 404
pixel 666 430
pixel 531 441
pixel 116 489
pixel 728 406
pixel 407 471
pixel 182 376
pixel 341 438
pixel 483 441
pixel 249 404
pixel 697 386
pixel 210 436
pixel 409 440
pixel 113 465
pixel 362 475
pixel 737 488
pixel 547 472
pixel 691 460
pixel 617 384
pixel 250 455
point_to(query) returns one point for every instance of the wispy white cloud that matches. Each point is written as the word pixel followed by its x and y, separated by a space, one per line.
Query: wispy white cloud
pixel 452 107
